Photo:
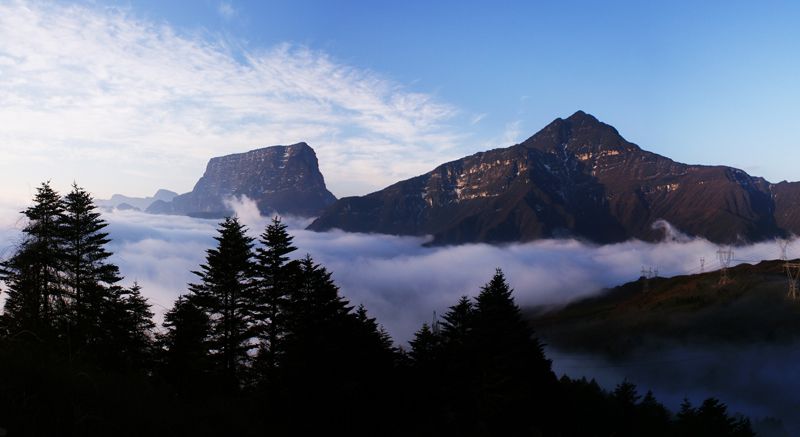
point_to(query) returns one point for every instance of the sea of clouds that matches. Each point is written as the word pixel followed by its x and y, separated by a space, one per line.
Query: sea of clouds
pixel 402 283
pixel 400 280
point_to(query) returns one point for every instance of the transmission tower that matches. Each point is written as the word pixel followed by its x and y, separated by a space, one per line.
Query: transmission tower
pixel 702 265
pixel 792 269
pixel 793 272
pixel 725 256
pixel 648 273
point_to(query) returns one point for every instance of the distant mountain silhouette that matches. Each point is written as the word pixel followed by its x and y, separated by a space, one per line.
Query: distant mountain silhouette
pixel 577 177
pixel 123 202
pixel 283 179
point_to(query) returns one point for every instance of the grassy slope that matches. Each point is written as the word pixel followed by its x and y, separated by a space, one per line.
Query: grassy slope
pixel 753 307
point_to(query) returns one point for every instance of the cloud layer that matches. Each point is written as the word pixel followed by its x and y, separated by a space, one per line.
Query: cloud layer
pixel 401 282
pixel 131 105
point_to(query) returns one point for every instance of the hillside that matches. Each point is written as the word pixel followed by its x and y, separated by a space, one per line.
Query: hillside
pixel 752 308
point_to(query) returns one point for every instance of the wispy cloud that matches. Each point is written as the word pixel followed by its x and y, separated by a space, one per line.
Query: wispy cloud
pixel 477 118
pixel 512 132
pixel 226 10
pixel 122 103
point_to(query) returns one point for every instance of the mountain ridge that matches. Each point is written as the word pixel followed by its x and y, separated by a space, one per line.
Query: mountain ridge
pixel 124 202
pixel 577 177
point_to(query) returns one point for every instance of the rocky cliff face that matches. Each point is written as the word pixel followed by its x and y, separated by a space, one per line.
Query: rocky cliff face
pixel 282 179
pixel 577 177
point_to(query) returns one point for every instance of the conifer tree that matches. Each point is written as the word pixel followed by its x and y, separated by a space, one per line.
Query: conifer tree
pixel 316 320
pixel 184 346
pixel 89 279
pixel 515 378
pixel 334 360
pixel 425 346
pixel 314 298
pixel 457 325
pixel 35 301
pixel 455 405
pixel 225 293
pixel 322 327
pixel 128 327
pixel 653 418
pixel 711 418
pixel 275 276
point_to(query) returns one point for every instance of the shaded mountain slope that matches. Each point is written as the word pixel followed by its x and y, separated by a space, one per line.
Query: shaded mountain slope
pixel 577 177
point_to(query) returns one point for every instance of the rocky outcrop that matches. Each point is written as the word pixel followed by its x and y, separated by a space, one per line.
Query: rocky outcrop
pixel 280 179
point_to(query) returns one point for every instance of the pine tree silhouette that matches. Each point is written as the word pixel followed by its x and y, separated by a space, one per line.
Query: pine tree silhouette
pixel 184 347
pixel 224 292
pixel 425 347
pixel 274 280
pixel 34 299
pixel 514 376
pixel 89 279
pixel 129 324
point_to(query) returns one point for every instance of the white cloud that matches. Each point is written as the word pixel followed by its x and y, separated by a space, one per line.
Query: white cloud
pixel 402 283
pixel 396 278
pixel 125 104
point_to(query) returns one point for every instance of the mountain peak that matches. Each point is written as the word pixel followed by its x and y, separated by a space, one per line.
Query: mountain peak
pixel 579 133
pixel 582 117
pixel 577 177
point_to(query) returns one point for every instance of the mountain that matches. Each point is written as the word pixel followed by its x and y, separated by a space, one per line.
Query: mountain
pixel 753 307
pixel 120 201
pixel 283 179
pixel 577 177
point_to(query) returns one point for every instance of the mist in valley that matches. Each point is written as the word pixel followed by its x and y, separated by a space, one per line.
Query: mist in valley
pixel 404 283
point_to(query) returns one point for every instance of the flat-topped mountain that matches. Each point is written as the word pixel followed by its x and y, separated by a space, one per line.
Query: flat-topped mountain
pixel 577 177
pixel 282 179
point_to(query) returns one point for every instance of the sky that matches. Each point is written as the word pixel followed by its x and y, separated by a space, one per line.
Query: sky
pixel 131 96
pixel 128 97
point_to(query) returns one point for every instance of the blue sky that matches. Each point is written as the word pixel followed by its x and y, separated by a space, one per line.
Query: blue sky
pixel 147 91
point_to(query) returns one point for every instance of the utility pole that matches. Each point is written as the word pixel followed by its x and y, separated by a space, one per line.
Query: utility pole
pixel 725 256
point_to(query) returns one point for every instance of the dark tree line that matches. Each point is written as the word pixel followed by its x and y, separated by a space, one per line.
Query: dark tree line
pixel 62 291
pixel 263 343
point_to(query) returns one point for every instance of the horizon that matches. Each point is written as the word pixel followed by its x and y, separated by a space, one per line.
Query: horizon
pixel 164 88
